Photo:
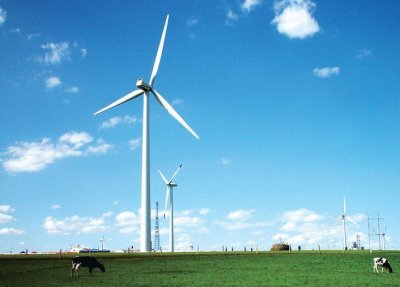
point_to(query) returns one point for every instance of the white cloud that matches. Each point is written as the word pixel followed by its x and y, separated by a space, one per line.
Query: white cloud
pixel 73 89
pixel 134 143
pixel 188 221
pixel 231 16
pixel 6 208
pixel 240 219
pixel 326 72
pixel 3 16
pixel 225 161
pixel 36 156
pixel 83 52
pixel 294 19
pixel 5 218
pixel 76 224
pixel 55 206
pixel 241 215
pixel 52 82
pixel 301 215
pixel 112 122
pixel 177 102
pixel 15 31
pixel 249 5
pixel 11 231
pixel 364 53
pixel 304 226
pixel 204 211
pixel 127 222
pixel 192 21
pixel 56 53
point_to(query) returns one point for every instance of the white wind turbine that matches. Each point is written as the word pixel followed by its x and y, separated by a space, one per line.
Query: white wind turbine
pixel 343 217
pixel 170 188
pixel 145 89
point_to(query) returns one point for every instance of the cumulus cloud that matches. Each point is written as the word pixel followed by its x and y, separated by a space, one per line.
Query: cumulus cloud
pixel 225 161
pixel 249 5
pixel 364 53
pixel 55 53
pixel 240 219
pixel 73 89
pixel 192 21
pixel 326 72
pixel 127 222
pixel 11 231
pixel 55 206
pixel 76 224
pixel 83 52
pixel 5 218
pixel 36 156
pixel 52 82
pixel 204 211
pixel 294 18
pixel 134 143
pixel 244 8
pixel 304 226
pixel 3 16
pixel 6 208
pixel 241 214
pixel 231 16
pixel 113 122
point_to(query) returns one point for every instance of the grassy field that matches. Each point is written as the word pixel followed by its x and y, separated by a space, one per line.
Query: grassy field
pixel 305 268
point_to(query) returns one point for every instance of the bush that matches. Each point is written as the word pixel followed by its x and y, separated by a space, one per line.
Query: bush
pixel 280 247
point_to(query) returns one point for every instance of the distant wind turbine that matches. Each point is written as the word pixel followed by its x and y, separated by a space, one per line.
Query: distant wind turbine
pixel 170 188
pixel 343 217
pixel 145 89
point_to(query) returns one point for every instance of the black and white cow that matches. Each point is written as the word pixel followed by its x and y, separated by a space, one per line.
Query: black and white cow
pixel 85 261
pixel 379 261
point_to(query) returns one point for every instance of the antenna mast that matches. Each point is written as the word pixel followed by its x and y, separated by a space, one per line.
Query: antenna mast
pixel 156 231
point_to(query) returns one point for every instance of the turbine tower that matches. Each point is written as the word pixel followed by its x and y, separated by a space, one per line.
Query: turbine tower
pixel 170 187
pixel 145 89
pixel 343 217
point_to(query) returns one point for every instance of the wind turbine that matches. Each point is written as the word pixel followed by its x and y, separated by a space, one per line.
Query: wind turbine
pixel 386 239
pixel 145 89
pixel 343 217
pixel 170 187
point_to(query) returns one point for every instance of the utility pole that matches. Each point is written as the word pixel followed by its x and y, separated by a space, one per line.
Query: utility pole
pixel 379 229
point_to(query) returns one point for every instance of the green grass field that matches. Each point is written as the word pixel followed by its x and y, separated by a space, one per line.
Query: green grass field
pixel 305 268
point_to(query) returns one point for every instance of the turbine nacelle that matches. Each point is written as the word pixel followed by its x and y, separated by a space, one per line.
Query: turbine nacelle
pixel 141 84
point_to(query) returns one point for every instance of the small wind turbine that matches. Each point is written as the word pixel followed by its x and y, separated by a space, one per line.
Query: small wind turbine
pixel 385 238
pixel 145 89
pixel 343 217
pixel 170 187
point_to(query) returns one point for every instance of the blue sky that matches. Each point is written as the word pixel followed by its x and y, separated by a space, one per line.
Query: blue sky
pixel 296 103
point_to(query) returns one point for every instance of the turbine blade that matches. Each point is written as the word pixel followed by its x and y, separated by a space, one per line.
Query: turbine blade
pixel 176 172
pixel 340 218
pixel 172 112
pixel 166 201
pixel 163 177
pixel 344 205
pixel 159 53
pixel 122 100
pixel 349 218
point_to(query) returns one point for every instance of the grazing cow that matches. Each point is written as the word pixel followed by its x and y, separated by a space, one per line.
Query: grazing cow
pixel 378 261
pixel 85 261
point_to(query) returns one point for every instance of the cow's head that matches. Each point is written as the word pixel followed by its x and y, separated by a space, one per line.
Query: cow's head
pixel 102 268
